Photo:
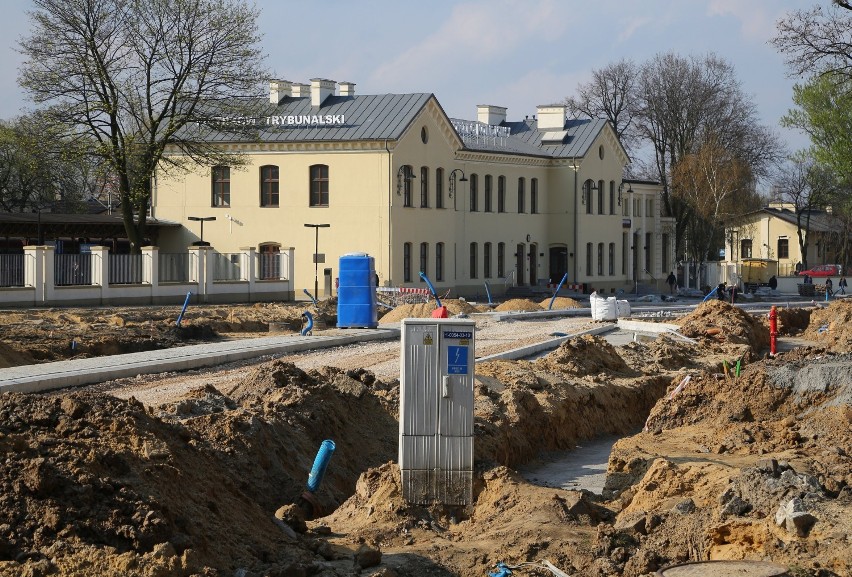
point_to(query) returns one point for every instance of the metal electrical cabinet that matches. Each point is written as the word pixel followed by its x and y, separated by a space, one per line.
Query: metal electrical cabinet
pixel 436 411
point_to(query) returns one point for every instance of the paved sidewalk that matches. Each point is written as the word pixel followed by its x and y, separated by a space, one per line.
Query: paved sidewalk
pixel 76 372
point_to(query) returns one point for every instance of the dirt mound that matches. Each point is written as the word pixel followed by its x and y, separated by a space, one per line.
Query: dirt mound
pixel 9 357
pixel 585 355
pixel 718 321
pixel 661 355
pixel 518 305
pixel 424 310
pixel 832 325
pixel 561 303
pixel 792 321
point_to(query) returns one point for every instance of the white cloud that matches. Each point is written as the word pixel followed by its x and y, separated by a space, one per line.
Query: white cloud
pixel 632 26
pixel 757 19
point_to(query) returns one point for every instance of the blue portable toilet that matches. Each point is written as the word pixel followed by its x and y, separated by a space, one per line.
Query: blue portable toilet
pixel 356 294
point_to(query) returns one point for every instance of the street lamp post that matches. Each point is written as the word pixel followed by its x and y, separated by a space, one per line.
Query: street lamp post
pixel 453 184
pixel 316 228
pixel 202 220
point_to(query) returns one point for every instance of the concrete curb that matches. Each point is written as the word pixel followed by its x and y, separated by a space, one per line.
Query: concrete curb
pixel 528 350
pixel 73 373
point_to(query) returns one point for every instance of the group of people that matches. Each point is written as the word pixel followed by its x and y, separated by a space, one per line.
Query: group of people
pixel 722 289
pixel 841 285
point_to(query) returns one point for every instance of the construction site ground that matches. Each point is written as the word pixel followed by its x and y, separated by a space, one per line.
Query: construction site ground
pixel 719 452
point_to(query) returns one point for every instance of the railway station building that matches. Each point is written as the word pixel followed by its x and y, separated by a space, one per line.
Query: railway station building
pixel 471 201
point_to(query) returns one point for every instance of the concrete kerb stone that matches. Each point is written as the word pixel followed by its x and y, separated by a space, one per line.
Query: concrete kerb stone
pixel 73 373
pixel 547 345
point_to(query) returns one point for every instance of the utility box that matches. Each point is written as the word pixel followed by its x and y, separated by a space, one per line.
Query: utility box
pixel 436 411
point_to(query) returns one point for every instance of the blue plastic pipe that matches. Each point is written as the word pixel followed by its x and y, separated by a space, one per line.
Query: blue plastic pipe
pixel 431 288
pixel 320 464
pixel 310 296
pixel 559 286
pixel 712 292
pixel 183 310
pixel 488 292
pixel 310 325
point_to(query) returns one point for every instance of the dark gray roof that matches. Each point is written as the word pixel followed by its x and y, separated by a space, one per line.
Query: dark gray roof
pixel 367 117
pixel 387 116
pixel 820 221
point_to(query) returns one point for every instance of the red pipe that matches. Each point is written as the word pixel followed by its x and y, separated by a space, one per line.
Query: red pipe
pixel 773 330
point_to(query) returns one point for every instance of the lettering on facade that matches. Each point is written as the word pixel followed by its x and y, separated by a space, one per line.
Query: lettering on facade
pixel 296 120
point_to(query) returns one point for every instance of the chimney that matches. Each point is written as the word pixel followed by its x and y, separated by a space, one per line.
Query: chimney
pixel 551 116
pixel 347 88
pixel 279 89
pixel 301 90
pixel 320 90
pixel 488 114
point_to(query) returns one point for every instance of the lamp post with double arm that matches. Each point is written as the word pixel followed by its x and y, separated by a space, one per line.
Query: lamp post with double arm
pixel 316 228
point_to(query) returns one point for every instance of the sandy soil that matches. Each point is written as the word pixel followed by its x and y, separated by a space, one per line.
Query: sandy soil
pixel 186 474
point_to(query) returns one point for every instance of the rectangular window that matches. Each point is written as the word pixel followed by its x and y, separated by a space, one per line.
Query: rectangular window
pixel 600 259
pixel 624 252
pixel 406 262
pixel 589 259
pixel 268 186
pixel 439 262
pixel 501 260
pixel 745 248
pixel 612 259
pixel 601 203
pixel 501 194
pixel 319 185
pixel 486 260
pixel 221 186
pixel 783 247
pixel 424 257
pixel 439 188
pixel 424 188
pixel 474 193
pixel 666 248
pixel 488 193
pixel 473 260
pixel 522 185
pixel 534 196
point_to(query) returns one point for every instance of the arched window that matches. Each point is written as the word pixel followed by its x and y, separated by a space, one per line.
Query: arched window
pixel 407 177
pixel 473 259
pixel 439 188
pixel 612 197
pixel 406 262
pixel 424 257
pixel 269 185
pixel 488 186
pixel 587 195
pixel 600 258
pixel 486 260
pixel 424 187
pixel 439 261
pixel 474 193
pixel 501 194
pixel 319 185
pixel 612 259
pixel 601 193
pixel 269 258
pixel 221 186
pixel 589 259
pixel 534 196
pixel 522 185
pixel 501 260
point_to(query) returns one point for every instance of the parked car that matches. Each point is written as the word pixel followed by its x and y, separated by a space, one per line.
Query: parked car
pixel 823 270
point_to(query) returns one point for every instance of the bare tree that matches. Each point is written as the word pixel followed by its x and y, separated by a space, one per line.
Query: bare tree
pixel 684 103
pixel 609 94
pixel 817 39
pixel 138 78
pixel 808 187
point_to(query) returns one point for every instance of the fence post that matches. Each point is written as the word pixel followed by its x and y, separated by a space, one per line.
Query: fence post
pixel 248 268
pixel 198 271
pixel 151 266
pixel 34 272
pixel 288 264
pixel 100 270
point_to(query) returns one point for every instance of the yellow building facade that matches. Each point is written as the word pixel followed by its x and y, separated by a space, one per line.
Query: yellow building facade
pixel 468 202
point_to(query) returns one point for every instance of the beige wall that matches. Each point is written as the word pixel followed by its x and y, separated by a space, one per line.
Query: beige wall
pixel 364 199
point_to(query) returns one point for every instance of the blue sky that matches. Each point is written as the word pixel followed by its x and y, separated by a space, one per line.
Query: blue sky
pixel 513 53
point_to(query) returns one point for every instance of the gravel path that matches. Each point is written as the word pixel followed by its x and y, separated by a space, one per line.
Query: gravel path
pixel 379 357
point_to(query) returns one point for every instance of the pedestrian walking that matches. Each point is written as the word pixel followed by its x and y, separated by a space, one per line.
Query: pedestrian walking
pixel 842 285
pixel 828 287
pixel 671 281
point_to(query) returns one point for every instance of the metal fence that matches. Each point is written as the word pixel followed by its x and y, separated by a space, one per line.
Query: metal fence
pixel 72 269
pixel 174 267
pixel 125 269
pixel 226 266
pixel 269 265
pixel 11 270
